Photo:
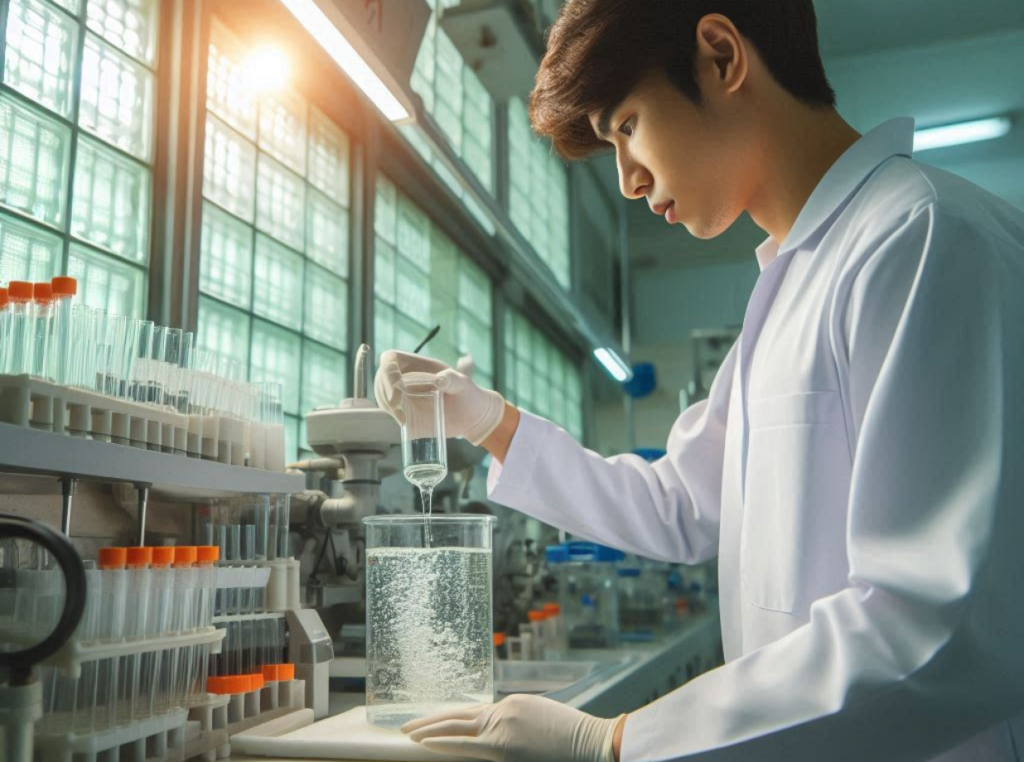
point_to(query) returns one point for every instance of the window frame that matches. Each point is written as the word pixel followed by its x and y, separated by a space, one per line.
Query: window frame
pixel 159 68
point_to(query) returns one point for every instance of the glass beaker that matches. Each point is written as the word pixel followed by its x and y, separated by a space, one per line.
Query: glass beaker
pixel 424 451
pixel 428 616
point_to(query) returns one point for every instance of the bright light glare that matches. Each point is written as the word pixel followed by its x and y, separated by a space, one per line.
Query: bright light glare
pixel 958 134
pixel 338 48
pixel 613 364
pixel 266 70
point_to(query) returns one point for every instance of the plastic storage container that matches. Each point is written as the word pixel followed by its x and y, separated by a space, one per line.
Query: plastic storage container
pixel 428 615
pixel 588 592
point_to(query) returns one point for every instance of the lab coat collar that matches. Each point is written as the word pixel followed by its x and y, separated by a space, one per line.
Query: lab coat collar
pixel 893 138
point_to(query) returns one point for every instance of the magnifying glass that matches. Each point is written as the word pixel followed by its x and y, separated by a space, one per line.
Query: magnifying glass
pixel 42 596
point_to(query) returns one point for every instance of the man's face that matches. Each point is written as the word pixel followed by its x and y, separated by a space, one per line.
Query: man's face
pixel 693 163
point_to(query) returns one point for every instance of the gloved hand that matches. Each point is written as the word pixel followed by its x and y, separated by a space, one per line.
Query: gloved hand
pixel 469 411
pixel 521 728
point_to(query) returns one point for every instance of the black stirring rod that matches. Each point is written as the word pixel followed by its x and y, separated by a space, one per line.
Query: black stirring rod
pixel 426 341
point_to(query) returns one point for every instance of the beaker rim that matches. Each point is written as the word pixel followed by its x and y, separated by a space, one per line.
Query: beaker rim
pixel 440 518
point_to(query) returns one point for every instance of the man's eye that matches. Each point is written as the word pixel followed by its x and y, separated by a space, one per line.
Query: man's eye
pixel 627 129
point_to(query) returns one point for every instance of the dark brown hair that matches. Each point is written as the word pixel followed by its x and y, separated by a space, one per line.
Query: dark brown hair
pixel 599 50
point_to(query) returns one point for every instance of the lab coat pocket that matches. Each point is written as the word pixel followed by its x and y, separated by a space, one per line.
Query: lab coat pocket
pixel 797 484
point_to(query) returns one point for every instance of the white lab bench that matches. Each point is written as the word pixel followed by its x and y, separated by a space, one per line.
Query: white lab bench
pixel 647 672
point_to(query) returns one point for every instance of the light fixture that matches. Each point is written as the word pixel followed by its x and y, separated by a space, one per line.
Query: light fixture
pixel 613 364
pixel 960 133
pixel 266 70
pixel 354 65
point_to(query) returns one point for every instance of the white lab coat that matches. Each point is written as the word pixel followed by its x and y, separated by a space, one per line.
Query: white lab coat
pixel 871 562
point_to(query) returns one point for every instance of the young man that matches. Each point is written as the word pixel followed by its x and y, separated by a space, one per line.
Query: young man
pixel 856 468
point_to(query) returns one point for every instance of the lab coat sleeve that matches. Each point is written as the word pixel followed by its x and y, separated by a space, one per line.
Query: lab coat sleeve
pixel 922 650
pixel 668 510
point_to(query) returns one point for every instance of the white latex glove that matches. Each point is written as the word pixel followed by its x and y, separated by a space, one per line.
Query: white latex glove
pixel 521 728
pixel 469 411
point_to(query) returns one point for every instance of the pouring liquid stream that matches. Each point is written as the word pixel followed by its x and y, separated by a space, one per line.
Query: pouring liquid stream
pixel 426 472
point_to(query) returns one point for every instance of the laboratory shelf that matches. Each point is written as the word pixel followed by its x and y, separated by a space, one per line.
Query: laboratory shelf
pixel 30 451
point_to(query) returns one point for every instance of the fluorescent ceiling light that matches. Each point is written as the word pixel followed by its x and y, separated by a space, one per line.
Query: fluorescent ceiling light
pixel 958 134
pixel 341 50
pixel 613 364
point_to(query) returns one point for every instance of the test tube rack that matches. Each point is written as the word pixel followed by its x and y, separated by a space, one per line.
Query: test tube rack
pixel 160 737
pixel 30 402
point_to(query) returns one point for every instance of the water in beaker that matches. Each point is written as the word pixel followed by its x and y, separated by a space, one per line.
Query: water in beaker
pixel 428 616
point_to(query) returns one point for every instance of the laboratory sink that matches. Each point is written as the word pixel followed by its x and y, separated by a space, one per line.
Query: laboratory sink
pixel 559 680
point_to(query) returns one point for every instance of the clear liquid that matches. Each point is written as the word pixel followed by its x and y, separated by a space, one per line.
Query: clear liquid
pixel 426 476
pixel 428 635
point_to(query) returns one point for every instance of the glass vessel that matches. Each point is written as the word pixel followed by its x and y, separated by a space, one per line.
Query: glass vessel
pixel 428 615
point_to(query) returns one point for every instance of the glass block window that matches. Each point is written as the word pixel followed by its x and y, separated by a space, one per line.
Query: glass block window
pixel 274 257
pixel 93 212
pixel 454 96
pixel 539 377
pixel 29 253
pixel 538 193
pixel 423 279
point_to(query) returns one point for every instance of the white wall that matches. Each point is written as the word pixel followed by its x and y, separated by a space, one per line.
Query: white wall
pixel 668 304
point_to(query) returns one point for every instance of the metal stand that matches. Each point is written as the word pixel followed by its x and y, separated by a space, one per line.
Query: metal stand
pixel 143 492
pixel 67 487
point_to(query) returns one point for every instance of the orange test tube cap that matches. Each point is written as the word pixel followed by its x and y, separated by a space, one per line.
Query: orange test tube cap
pixel 19 290
pixel 113 558
pixel 140 556
pixel 207 554
pixel 163 556
pixel 42 292
pixel 64 286
pixel 184 555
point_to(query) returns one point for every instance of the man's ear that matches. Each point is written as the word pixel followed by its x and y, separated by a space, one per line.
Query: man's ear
pixel 722 50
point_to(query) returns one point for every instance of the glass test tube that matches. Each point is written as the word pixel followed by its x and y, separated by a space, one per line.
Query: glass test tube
pixel 155 694
pixel 185 572
pixel 19 359
pixel 88 632
pixel 42 317
pixel 207 557
pixel 5 340
pixel 112 562
pixel 64 290
pixel 136 626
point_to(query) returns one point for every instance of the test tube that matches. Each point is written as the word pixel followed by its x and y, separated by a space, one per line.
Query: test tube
pixel 185 575
pixel 140 367
pixel 281 525
pixel 64 291
pixel 140 589
pixel 5 339
pixel 153 692
pixel 112 562
pixel 537 630
pixel 88 632
pixel 19 359
pixel 42 319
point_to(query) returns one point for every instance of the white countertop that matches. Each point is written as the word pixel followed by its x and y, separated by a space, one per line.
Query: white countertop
pixel 639 658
